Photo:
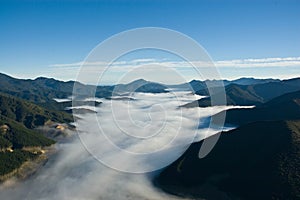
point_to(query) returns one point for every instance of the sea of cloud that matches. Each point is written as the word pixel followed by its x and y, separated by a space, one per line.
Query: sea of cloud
pixel 119 150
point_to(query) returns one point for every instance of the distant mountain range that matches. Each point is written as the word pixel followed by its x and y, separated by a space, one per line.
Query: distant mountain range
pixel 246 95
pixel 258 160
pixel 42 90
pixel 200 87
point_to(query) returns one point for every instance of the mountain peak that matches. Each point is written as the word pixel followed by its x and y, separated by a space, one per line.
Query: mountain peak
pixel 141 80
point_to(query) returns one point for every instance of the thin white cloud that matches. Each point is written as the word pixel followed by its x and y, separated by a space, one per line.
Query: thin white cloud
pixel 67 65
pixel 250 62
pixel 102 63
pixel 174 72
pixel 261 62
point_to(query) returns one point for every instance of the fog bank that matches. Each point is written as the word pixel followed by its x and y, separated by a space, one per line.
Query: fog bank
pixel 137 136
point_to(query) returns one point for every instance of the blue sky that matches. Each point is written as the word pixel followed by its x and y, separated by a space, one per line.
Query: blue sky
pixel 38 35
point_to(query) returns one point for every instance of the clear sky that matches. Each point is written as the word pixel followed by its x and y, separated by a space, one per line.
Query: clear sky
pixel 36 37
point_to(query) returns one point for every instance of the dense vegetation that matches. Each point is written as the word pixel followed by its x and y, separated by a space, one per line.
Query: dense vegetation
pixel 29 114
pixel 285 107
pixel 31 90
pixel 15 136
pixel 258 160
pixel 13 160
pixel 42 91
pixel 18 118
pixel 4 143
pixel 20 136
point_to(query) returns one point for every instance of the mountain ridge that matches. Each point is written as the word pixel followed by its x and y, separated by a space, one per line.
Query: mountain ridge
pixel 248 95
pixel 285 107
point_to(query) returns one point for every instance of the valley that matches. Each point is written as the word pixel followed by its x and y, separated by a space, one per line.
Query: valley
pixel 38 140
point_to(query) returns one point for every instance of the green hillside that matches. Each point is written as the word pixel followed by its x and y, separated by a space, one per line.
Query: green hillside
pixel 43 91
pixel 28 113
pixel 18 118
pixel 285 107
pixel 13 137
pixel 235 95
pixel 13 160
pixel 30 90
pixel 20 136
pixel 260 160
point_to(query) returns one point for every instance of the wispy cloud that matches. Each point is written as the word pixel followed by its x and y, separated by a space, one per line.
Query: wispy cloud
pixel 251 62
pixel 170 71
pixel 102 63
pixel 261 62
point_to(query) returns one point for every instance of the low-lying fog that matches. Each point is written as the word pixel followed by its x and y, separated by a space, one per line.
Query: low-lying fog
pixel 139 136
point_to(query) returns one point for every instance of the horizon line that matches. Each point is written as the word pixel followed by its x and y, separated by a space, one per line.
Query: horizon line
pixel 65 81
